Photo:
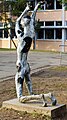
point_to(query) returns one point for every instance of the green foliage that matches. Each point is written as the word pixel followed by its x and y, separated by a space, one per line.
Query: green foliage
pixel 18 6
pixel 63 1
pixel 37 25
pixel 0 18
pixel 13 6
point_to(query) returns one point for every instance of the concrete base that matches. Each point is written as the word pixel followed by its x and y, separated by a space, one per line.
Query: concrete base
pixel 35 106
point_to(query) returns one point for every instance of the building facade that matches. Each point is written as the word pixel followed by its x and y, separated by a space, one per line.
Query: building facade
pixel 53 31
pixel 53 18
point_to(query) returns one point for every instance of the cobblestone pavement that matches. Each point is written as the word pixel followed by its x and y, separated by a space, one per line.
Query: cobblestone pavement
pixel 36 59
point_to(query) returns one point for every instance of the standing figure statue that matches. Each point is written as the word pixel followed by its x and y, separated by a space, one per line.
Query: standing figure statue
pixel 25 32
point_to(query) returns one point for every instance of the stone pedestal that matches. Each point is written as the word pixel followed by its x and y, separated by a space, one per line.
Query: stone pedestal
pixel 36 106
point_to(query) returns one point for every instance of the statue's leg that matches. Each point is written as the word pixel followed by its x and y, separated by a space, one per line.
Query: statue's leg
pixel 19 85
pixel 28 83
pixel 28 78
pixel 19 54
pixel 30 97
pixel 52 98
pixel 44 101
pixel 24 99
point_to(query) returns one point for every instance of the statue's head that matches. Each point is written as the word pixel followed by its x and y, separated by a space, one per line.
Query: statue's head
pixel 25 20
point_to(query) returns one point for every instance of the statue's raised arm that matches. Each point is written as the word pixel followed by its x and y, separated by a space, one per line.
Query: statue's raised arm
pixel 36 8
pixel 24 12
pixel 18 31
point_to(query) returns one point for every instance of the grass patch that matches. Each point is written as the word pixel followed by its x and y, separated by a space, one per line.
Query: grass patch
pixel 59 68
pixel 34 50
pixel 7 49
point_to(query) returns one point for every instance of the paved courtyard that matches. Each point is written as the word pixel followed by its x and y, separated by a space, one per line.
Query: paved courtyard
pixel 36 60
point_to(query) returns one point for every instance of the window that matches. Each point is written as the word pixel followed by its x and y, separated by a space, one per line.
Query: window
pixel 50 4
pixel 1 24
pixel 58 23
pixel 1 33
pixel 66 23
pixel 59 33
pixel 6 33
pixel 40 34
pixel 58 4
pixel 49 33
pixel 41 23
pixel 12 33
pixel 66 34
pixel 49 23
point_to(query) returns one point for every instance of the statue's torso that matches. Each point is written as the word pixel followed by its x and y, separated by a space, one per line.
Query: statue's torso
pixel 29 30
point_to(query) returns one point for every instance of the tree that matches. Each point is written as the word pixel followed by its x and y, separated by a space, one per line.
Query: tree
pixel 63 1
pixel 18 6
pixel 13 7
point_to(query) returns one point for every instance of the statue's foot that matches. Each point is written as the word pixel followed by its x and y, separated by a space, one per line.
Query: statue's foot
pixel 54 102
pixel 45 104
pixel 44 101
pixel 22 99
pixel 53 99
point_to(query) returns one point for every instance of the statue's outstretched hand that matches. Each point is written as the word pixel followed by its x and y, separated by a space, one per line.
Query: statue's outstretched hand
pixel 42 2
pixel 27 7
